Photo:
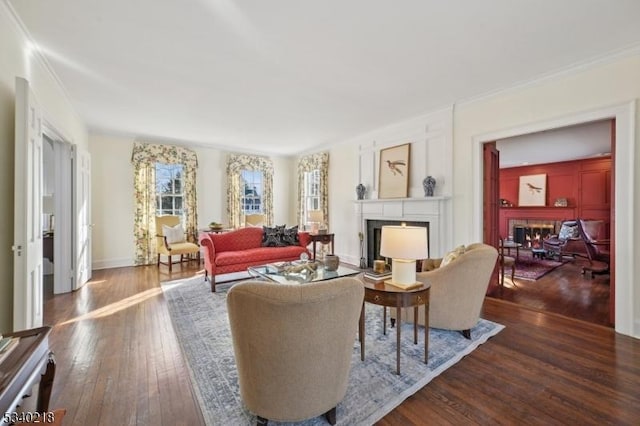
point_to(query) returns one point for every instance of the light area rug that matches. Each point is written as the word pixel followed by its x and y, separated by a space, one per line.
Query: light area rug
pixel 201 324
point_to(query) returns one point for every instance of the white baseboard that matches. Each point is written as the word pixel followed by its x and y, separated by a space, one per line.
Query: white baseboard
pixel 112 263
pixel 351 260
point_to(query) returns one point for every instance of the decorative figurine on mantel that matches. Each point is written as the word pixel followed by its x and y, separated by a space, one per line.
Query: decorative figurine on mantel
pixel 360 191
pixel 429 184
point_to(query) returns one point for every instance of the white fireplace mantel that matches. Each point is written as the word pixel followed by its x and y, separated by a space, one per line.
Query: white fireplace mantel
pixel 434 210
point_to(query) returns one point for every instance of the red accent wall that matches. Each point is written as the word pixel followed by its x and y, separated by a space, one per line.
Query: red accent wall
pixel 586 184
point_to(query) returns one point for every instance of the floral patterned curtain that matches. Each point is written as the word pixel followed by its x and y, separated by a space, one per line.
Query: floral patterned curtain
pixel 309 163
pixel 236 163
pixel 144 159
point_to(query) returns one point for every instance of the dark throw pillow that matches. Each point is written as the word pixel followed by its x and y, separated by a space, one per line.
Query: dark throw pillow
pixel 272 237
pixel 280 236
pixel 269 236
pixel 290 236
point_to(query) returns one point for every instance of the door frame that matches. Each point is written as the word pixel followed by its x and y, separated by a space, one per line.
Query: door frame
pixel 28 310
pixel 626 320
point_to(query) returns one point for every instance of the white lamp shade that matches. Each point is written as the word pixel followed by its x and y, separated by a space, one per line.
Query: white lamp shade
pixel 315 216
pixel 404 242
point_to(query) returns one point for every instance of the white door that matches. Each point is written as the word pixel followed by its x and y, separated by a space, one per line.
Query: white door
pixel 64 267
pixel 83 213
pixel 27 245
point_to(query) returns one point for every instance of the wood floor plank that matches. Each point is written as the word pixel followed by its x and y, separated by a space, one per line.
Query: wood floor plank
pixel 119 361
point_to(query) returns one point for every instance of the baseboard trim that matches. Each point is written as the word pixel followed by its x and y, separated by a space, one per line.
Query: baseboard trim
pixel 112 263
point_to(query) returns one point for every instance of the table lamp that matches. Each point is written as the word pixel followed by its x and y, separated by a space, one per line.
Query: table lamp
pixel 404 245
pixel 315 217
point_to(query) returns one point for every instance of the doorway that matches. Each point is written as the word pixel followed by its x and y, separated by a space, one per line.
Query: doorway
pixel 565 290
pixel 57 219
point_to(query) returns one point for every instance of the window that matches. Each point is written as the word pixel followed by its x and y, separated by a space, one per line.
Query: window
pixel 311 191
pixel 164 182
pixel 169 189
pixel 251 191
pixel 313 180
pixel 250 188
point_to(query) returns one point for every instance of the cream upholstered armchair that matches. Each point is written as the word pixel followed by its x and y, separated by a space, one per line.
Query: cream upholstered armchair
pixel 293 345
pixel 458 288
pixel 172 240
pixel 254 220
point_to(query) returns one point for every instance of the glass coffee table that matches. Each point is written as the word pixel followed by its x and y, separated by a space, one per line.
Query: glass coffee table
pixel 299 272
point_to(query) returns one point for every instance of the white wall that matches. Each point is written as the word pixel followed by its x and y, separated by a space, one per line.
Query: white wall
pixel 16 60
pixel 112 197
pixel 111 201
pixel 357 160
pixel 285 187
pixel 564 144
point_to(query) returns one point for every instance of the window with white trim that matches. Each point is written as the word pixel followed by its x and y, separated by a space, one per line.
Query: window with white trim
pixel 169 189
pixel 311 192
pixel 251 191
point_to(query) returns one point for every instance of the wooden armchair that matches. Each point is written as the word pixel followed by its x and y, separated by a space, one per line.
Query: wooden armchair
pixel 506 262
pixel 175 242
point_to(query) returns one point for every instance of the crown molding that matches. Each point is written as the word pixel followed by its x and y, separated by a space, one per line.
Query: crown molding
pixel 604 59
pixel 35 51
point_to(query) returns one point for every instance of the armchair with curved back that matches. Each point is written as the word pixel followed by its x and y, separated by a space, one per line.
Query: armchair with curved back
pixel 168 248
pixel 598 250
pixel 457 288
pixel 254 220
pixel 567 242
pixel 293 345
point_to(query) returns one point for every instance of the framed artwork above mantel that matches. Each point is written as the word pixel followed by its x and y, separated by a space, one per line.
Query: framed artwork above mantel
pixel 533 190
pixel 393 176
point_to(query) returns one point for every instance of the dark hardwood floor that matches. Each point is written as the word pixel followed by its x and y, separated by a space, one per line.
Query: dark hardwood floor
pixel 564 290
pixel 119 363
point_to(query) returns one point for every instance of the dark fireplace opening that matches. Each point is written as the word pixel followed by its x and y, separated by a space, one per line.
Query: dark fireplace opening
pixel 374 232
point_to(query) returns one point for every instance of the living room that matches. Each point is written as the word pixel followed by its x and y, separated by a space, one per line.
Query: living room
pixel 446 132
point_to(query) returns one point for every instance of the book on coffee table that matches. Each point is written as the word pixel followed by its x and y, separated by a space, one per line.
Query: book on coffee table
pixel 377 276
pixel 404 286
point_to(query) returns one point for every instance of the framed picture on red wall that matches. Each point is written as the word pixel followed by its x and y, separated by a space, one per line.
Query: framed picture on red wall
pixel 533 190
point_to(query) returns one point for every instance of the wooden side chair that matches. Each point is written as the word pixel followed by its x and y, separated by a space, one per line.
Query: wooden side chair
pixel 172 241
pixel 506 262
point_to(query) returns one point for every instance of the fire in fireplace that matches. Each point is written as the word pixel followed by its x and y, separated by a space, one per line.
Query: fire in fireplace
pixel 531 235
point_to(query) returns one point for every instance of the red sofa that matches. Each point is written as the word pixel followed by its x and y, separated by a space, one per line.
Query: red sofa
pixel 234 251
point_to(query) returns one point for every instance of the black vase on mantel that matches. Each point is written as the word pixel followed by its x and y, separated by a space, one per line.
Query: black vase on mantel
pixel 429 184
pixel 360 191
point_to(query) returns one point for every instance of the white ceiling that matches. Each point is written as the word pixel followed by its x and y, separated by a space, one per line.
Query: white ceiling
pixel 587 140
pixel 287 76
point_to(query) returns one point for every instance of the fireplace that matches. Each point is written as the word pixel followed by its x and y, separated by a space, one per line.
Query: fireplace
pixel 530 233
pixel 374 232
pixel 431 212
